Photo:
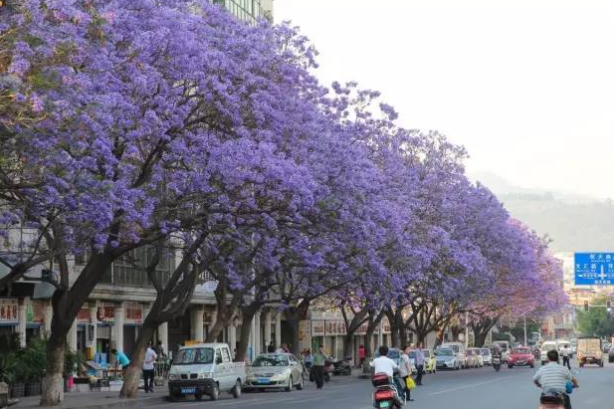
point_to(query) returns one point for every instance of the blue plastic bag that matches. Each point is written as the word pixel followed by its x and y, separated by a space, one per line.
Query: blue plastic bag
pixel 569 387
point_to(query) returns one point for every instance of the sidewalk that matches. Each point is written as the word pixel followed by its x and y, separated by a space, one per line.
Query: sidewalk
pixel 98 400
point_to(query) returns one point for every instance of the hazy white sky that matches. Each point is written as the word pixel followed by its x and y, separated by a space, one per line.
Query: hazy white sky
pixel 526 85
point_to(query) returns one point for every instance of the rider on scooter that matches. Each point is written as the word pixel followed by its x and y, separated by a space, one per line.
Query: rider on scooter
pixel 552 378
pixel 383 364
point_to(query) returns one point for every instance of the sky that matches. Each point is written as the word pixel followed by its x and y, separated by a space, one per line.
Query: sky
pixel 527 86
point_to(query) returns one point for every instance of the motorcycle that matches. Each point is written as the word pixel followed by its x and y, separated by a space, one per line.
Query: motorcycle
pixel 386 395
pixel 496 363
pixel 342 367
pixel 329 368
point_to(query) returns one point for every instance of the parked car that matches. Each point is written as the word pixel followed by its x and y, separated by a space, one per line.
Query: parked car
pixel 459 351
pixel 275 371
pixel 606 346
pixel 590 351
pixel 446 358
pixel 474 358
pixel 522 356
pixel 611 355
pixel 205 369
pixel 486 356
pixel 430 362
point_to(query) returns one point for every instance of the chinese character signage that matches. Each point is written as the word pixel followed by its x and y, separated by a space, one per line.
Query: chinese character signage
pixel 9 310
pixel 134 313
pixel 594 268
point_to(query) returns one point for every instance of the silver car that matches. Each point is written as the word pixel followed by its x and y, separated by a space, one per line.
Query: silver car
pixel 275 371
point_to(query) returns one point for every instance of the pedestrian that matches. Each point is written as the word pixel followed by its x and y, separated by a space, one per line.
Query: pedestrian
pixel 405 372
pixel 160 350
pixel 419 364
pixel 319 359
pixel 271 348
pixel 362 354
pixel 565 355
pixel 148 368
pixel 121 359
pixel 307 358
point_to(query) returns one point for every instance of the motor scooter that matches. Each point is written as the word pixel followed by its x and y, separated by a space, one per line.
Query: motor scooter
pixel 342 367
pixel 386 395
pixel 496 363
pixel 329 368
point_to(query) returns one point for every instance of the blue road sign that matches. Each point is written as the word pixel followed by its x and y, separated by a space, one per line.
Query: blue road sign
pixel 594 268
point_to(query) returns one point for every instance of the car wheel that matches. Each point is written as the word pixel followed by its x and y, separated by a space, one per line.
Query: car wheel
pixel 300 385
pixel 215 392
pixel 290 385
pixel 236 391
pixel 510 366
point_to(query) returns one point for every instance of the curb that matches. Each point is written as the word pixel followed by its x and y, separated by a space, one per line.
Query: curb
pixel 127 403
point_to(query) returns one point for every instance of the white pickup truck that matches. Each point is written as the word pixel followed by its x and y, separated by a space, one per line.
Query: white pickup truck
pixel 205 369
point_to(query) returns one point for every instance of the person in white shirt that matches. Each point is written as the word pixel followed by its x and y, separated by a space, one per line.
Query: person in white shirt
pixel 383 364
pixel 148 368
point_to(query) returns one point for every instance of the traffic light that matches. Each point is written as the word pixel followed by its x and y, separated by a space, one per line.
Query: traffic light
pixel 585 305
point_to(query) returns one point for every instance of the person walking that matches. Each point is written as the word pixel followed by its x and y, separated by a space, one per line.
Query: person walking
pixel 362 354
pixel 405 372
pixel 148 368
pixel 419 364
pixel 319 359
pixel 565 355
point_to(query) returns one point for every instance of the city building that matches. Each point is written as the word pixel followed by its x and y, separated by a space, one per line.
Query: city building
pixel 249 10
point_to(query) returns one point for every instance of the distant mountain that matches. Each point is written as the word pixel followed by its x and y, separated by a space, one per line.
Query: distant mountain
pixel 573 222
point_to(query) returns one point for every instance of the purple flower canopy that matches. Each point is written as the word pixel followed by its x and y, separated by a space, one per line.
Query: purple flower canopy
pixel 123 122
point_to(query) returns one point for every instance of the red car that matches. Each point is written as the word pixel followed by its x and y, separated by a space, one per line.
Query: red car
pixel 521 357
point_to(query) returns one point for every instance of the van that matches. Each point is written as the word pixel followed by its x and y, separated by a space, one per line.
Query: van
pixel 205 369
pixel 547 347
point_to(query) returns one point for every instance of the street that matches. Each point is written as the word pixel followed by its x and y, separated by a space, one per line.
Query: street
pixel 468 389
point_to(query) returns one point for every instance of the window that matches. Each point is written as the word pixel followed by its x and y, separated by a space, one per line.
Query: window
pixel 218 355
pixel 226 355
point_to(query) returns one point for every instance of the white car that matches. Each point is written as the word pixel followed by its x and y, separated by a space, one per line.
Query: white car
pixel 547 347
pixel 447 359
pixel 275 371
pixel 459 352
pixel 486 356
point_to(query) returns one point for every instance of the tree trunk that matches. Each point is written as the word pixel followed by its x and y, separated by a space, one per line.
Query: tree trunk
pixel 456 331
pixel 293 323
pixel 246 330
pixel 53 383
pixel 130 388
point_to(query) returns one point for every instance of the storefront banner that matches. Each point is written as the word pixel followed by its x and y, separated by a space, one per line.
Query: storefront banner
pixel 9 311
pixel 317 329
pixel 106 313
pixel 35 312
pixel 303 332
pixel 83 317
pixel 134 313
pixel 335 328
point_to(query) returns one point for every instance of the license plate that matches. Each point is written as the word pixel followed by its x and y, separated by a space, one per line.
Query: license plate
pixel 384 404
pixel 187 391
pixel 263 381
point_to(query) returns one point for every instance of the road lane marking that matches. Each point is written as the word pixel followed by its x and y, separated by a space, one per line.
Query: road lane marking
pixel 458 388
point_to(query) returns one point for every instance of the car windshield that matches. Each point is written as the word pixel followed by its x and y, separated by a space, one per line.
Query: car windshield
pixel 427 353
pixel 521 351
pixel 392 354
pixel 444 352
pixel 271 360
pixel 485 351
pixel 412 354
pixel 189 356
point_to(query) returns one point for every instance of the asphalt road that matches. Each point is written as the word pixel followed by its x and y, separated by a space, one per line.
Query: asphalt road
pixel 468 389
